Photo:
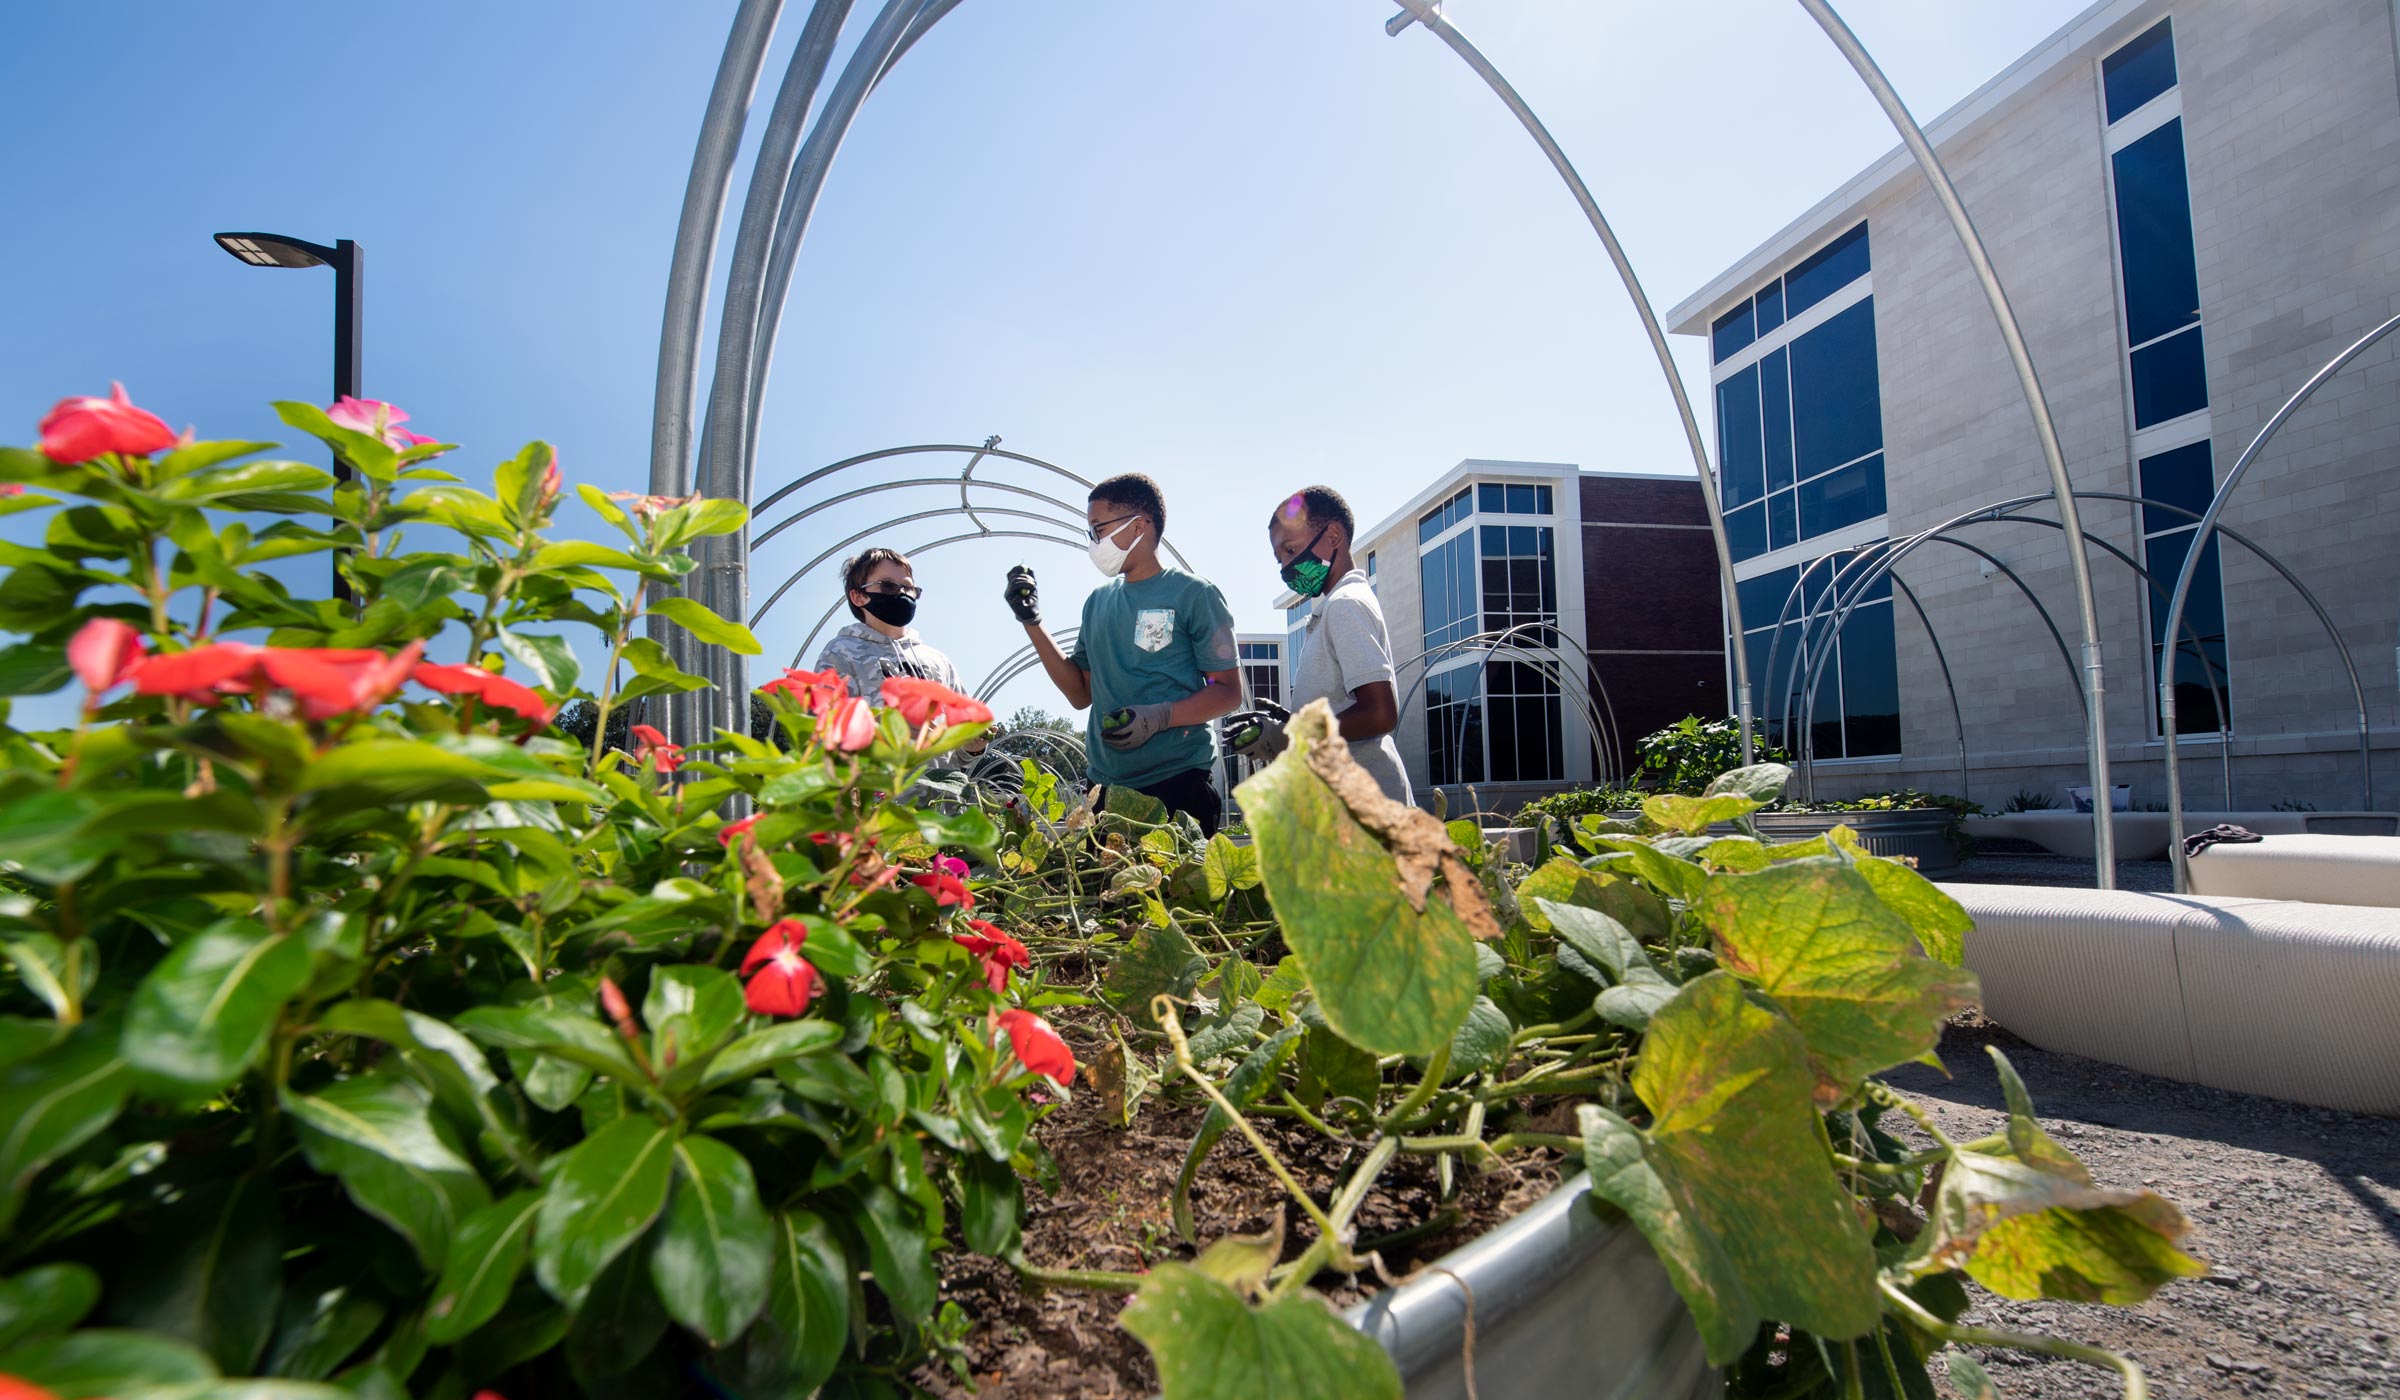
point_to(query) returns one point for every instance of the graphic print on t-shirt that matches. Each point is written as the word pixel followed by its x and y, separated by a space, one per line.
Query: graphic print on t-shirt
pixel 1154 628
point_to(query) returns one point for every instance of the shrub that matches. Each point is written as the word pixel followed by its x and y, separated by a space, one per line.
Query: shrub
pixel 2030 800
pixel 1691 753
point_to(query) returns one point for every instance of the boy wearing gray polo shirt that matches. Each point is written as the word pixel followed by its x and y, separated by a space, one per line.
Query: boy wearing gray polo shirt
pixel 1345 655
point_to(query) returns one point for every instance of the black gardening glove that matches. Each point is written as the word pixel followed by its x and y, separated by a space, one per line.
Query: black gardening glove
pixel 1022 598
pixel 1257 733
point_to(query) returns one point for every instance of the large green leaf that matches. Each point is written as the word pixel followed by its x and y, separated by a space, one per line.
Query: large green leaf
pixel 711 1260
pixel 45 1300
pixel 550 659
pixel 692 1008
pixel 2029 1222
pixel 212 1272
pixel 602 1196
pixel 570 1036
pixel 799 1338
pixel 1670 875
pixel 485 1260
pixel 392 773
pixel 1694 815
pixel 202 1016
pixel 216 483
pixel 101 1362
pixel 33 668
pixel 766 1048
pixel 898 1250
pixel 1390 977
pixel 45 834
pixel 695 618
pixel 1731 1183
pixel 616 1327
pixel 1210 1344
pixel 1159 962
pixel 1228 867
pixel 1841 963
pixel 1640 988
pixel 450 1064
pixel 1761 782
pixel 395 1158
pixel 320 1328
pixel 51 1104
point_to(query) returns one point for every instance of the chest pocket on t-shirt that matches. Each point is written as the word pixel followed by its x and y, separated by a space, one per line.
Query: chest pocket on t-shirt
pixel 1154 628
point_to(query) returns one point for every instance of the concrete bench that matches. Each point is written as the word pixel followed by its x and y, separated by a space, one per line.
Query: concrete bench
pixel 2143 835
pixel 2320 869
pixel 2290 1000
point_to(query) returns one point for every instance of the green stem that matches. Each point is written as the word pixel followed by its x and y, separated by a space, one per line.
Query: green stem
pixel 1430 1084
pixel 1163 1008
pixel 1885 1095
pixel 1506 1142
pixel 1094 1280
pixel 2136 1387
pixel 1553 1029
pixel 1300 1111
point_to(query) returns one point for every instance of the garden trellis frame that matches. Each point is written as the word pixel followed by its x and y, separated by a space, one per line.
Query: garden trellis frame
pixel 795 156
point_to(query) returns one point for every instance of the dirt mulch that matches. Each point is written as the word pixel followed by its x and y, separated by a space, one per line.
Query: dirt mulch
pixel 1112 1211
pixel 2297 1209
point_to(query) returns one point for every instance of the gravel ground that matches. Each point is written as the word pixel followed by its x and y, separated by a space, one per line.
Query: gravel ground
pixel 2297 1210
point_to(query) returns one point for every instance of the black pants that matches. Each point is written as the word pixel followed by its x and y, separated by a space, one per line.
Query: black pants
pixel 1190 791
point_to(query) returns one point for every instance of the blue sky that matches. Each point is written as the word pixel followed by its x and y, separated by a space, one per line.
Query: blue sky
pixel 1242 247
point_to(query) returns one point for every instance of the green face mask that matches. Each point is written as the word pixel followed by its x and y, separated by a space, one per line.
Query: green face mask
pixel 1306 575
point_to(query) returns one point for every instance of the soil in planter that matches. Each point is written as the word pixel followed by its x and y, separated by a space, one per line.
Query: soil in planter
pixel 1112 1211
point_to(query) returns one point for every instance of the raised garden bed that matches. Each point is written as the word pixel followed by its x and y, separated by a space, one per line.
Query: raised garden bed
pixel 1921 835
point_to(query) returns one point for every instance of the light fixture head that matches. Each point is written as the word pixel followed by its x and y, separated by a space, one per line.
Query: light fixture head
pixel 274 250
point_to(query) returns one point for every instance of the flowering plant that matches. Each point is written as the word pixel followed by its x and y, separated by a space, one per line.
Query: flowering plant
pixel 358 1030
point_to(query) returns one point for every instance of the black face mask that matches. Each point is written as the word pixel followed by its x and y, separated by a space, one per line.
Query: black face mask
pixel 898 609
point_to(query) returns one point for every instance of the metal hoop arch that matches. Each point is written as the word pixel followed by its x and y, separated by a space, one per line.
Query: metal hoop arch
pixel 1550 660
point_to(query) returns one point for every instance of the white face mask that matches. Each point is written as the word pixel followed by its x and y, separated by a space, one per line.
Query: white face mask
pixel 1108 556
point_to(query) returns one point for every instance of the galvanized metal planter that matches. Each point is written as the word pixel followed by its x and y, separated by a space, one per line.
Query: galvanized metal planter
pixel 1922 833
pixel 1565 1299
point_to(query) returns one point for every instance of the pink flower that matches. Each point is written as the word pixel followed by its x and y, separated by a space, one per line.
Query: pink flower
pixel 326 681
pixel 729 830
pixel 1037 1046
pixel 813 691
pixel 612 1000
pixel 999 953
pixel 848 727
pixel 376 418
pixel 656 751
pixel 781 983
pixel 104 652
pixel 947 889
pixel 651 507
pixel 77 430
pixel 951 865
pixel 11 488
pixel 491 688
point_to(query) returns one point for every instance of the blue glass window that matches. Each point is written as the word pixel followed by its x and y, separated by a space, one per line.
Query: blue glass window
pixel 1837 401
pixel 1491 498
pixel 1447 514
pixel 1842 498
pixel 1746 531
pixel 2170 379
pixel 1521 500
pixel 1739 452
pixel 1783 520
pixel 2200 643
pixel 2154 235
pixel 1523 709
pixel 1824 272
pixel 2139 71
pixel 1454 727
pixel 1770 307
pixel 1446 573
pixel 1870 683
pixel 1775 411
pixel 2184 476
pixel 1733 330
pixel 1762 598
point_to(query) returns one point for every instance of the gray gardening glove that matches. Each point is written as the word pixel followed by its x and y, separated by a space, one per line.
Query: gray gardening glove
pixel 1257 733
pixel 1023 599
pixel 1134 726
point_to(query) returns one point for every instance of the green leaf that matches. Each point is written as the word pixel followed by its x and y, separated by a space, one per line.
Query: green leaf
pixel 1232 1028
pixel 216 483
pixel 991 1204
pixel 832 950
pixel 101 1362
pixel 694 1008
pixel 1672 876
pixel 45 1300
pixel 1390 978
pixel 898 1251
pixel 517 484
pixel 1760 782
pixel 1228 867
pixel 396 1160
pixel 318 1329
pixel 654 672
pixel 1640 987
pixel 211 1273
pixel 1694 815
pixel 448 1063
pixel 617 1327
pixel 1731 1183
pixel 202 1016
pixel 570 1036
pixel 1557 881
pixel 696 619
pixel 581 554
pixel 2030 1222
pixel 608 510
pixel 766 1048
pixel 711 1260
pixel 1940 923
pixel 1159 962
pixel 45 837
pixel 1331 1067
pixel 1481 1042
pixel 1211 1345
pixel 54 1103
pixel 602 1195
pixel 711 516
pixel 550 659
pixel 1845 967
pixel 799 1338
pixel 393 773
pixel 483 1266
pixel 33 668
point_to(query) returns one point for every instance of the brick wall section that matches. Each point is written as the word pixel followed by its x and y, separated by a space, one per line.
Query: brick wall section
pixel 1650 586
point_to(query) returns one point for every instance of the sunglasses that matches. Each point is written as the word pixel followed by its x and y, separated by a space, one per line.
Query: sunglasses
pixel 895 590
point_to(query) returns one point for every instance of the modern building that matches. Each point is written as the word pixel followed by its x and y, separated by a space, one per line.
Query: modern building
pixel 2193 206
pixel 1543 619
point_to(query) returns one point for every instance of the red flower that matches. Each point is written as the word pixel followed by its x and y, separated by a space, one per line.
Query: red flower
pixel 998 951
pixel 13 1389
pixel 1037 1046
pixel 729 830
pixel 77 430
pixel 656 751
pixel 947 889
pixel 104 651
pixel 327 681
pixel 781 981
pixel 848 727
pixel 813 691
pixel 495 690
pixel 920 700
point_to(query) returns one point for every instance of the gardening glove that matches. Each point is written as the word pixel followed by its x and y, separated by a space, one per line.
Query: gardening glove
pixel 1134 726
pixel 1257 733
pixel 1021 596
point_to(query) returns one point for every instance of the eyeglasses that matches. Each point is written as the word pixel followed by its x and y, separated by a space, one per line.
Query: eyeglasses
pixel 895 590
pixel 1109 527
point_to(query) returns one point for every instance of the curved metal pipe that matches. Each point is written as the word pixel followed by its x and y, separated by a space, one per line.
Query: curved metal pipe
pixel 1958 717
pixel 910 519
pixel 1065 637
pixel 906 484
pixel 2191 564
pixel 1425 13
pixel 1551 660
pixel 2062 486
pixel 827 615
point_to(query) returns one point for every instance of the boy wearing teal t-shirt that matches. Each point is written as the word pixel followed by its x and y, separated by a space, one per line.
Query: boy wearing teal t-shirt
pixel 1155 660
